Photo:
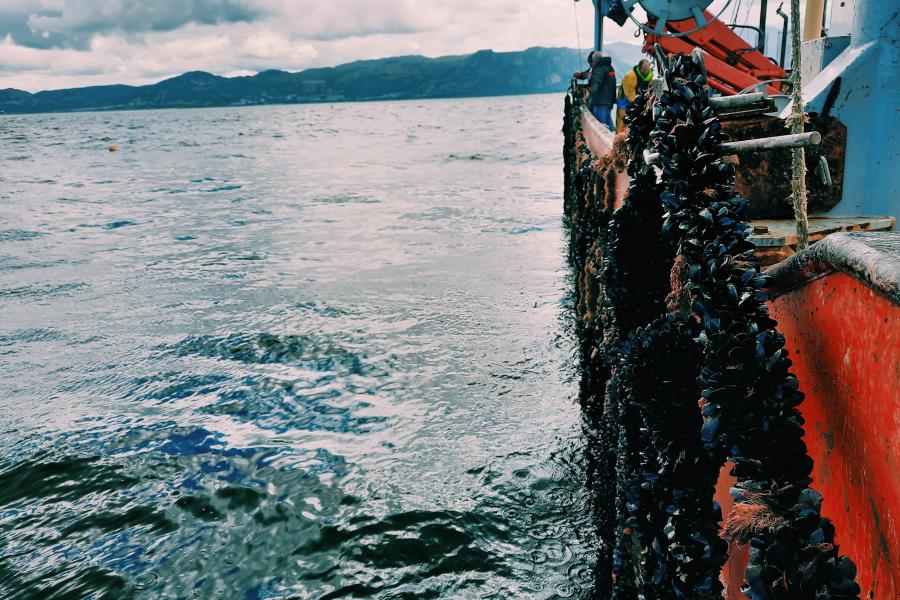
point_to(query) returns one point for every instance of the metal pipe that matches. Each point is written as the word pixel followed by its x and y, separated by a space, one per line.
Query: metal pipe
pixel 599 9
pixel 738 101
pixel 784 29
pixel 754 28
pixel 764 82
pixel 823 171
pixel 761 42
pixel 777 142
pixel 697 57
pixel 797 140
pixel 812 23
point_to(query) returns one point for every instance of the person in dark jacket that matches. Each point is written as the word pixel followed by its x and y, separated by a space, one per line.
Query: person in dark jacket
pixel 587 73
pixel 603 88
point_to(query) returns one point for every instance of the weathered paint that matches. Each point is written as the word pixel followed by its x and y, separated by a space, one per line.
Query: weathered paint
pixel 768 233
pixel 844 336
pixel 871 180
pixel 764 178
pixel 838 304
pixel 846 341
pixel 598 137
pixel 602 142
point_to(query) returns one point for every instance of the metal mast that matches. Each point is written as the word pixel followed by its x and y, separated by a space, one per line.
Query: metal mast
pixel 601 7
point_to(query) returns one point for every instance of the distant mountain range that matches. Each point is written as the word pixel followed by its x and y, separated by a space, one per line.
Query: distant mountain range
pixel 484 73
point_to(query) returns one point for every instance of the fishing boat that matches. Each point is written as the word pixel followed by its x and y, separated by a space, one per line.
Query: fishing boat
pixel 741 344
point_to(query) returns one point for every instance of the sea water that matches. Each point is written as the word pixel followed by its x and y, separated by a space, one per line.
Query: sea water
pixel 308 351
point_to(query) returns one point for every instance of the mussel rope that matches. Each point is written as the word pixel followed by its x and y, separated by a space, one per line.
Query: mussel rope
pixel 633 277
pixel 633 516
pixel 587 221
pixel 668 544
pixel 749 398
pixel 669 547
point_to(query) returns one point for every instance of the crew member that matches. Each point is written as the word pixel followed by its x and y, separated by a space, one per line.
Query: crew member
pixel 635 81
pixel 587 73
pixel 602 84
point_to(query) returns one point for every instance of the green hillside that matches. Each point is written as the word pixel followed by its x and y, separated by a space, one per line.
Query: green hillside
pixel 484 73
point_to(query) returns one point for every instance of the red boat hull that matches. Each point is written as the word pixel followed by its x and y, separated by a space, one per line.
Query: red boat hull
pixel 844 337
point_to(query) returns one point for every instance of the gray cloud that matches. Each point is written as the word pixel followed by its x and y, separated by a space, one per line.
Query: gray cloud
pixel 72 23
pixel 52 44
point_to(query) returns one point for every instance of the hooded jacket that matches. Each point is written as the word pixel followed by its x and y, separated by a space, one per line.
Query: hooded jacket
pixel 633 83
pixel 603 83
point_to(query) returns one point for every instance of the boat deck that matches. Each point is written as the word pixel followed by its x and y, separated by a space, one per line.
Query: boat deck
pixel 783 232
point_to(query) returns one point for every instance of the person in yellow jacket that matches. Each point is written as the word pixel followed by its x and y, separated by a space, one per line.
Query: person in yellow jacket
pixel 636 80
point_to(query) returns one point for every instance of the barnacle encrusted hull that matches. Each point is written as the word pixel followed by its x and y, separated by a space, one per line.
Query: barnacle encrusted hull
pixel 683 370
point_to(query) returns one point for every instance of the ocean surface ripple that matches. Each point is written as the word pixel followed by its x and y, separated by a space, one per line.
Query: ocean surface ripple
pixel 316 351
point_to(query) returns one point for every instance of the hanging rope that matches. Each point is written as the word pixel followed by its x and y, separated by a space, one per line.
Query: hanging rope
pixel 578 36
pixel 734 13
pixel 577 30
pixel 797 120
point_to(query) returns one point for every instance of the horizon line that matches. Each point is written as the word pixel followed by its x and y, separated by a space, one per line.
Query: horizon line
pixel 164 78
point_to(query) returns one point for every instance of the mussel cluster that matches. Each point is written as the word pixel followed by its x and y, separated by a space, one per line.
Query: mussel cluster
pixel 587 220
pixel 568 130
pixel 680 314
pixel 749 398
pixel 667 543
pixel 625 252
pixel 673 515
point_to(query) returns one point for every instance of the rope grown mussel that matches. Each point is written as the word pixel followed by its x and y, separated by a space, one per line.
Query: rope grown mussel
pixel 679 313
pixel 668 544
pixel 587 219
pixel 633 276
pixel 749 397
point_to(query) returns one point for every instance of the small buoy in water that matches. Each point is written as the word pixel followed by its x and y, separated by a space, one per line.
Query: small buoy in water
pixel 113 148
pixel 240 133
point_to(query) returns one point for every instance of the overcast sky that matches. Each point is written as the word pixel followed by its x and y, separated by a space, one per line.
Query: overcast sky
pixel 50 44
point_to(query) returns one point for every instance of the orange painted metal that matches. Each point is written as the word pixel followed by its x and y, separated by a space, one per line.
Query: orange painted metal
pixel 738 557
pixel 844 339
pixel 720 41
pixel 731 63
pixel 722 76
